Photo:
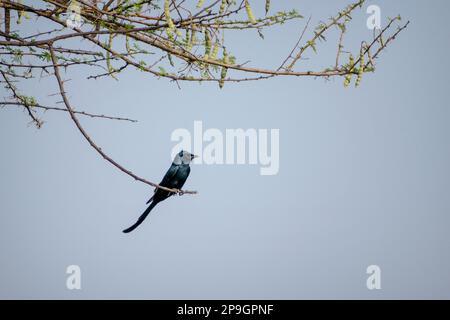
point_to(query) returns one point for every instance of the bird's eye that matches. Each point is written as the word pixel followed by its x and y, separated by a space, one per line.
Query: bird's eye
pixel 181 153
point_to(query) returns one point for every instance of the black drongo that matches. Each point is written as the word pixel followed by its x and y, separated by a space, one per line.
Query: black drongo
pixel 174 179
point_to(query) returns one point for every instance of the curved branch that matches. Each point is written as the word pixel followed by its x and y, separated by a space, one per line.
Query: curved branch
pixel 89 139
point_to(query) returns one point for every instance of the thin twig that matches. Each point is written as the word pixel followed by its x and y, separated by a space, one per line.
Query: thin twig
pixel 83 113
pixel 17 96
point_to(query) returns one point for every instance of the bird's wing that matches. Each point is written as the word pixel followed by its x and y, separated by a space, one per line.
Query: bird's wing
pixel 183 174
pixel 170 174
pixel 168 177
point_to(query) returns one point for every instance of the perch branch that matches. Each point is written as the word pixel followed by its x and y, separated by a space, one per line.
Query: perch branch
pixel 89 139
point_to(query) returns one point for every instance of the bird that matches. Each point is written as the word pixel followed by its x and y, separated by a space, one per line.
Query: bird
pixel 174 178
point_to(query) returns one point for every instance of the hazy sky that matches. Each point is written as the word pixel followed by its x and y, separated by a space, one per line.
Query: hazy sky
pixel 363 179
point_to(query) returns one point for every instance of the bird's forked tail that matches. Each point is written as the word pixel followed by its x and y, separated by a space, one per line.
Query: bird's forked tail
pixel 141 218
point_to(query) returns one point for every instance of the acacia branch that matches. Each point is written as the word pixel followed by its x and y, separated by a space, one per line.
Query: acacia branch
pixel 118 24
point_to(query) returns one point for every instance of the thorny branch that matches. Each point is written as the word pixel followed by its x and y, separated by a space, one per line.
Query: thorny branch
pixel 180 41
pixel 23 100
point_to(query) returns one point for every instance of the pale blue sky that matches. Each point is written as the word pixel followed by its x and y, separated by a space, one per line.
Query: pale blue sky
pixel 364 179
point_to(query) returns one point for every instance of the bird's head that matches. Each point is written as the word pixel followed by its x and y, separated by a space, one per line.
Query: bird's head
pixel 183 157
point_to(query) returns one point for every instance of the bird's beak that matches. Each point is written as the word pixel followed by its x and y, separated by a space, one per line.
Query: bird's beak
pixel 193 156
